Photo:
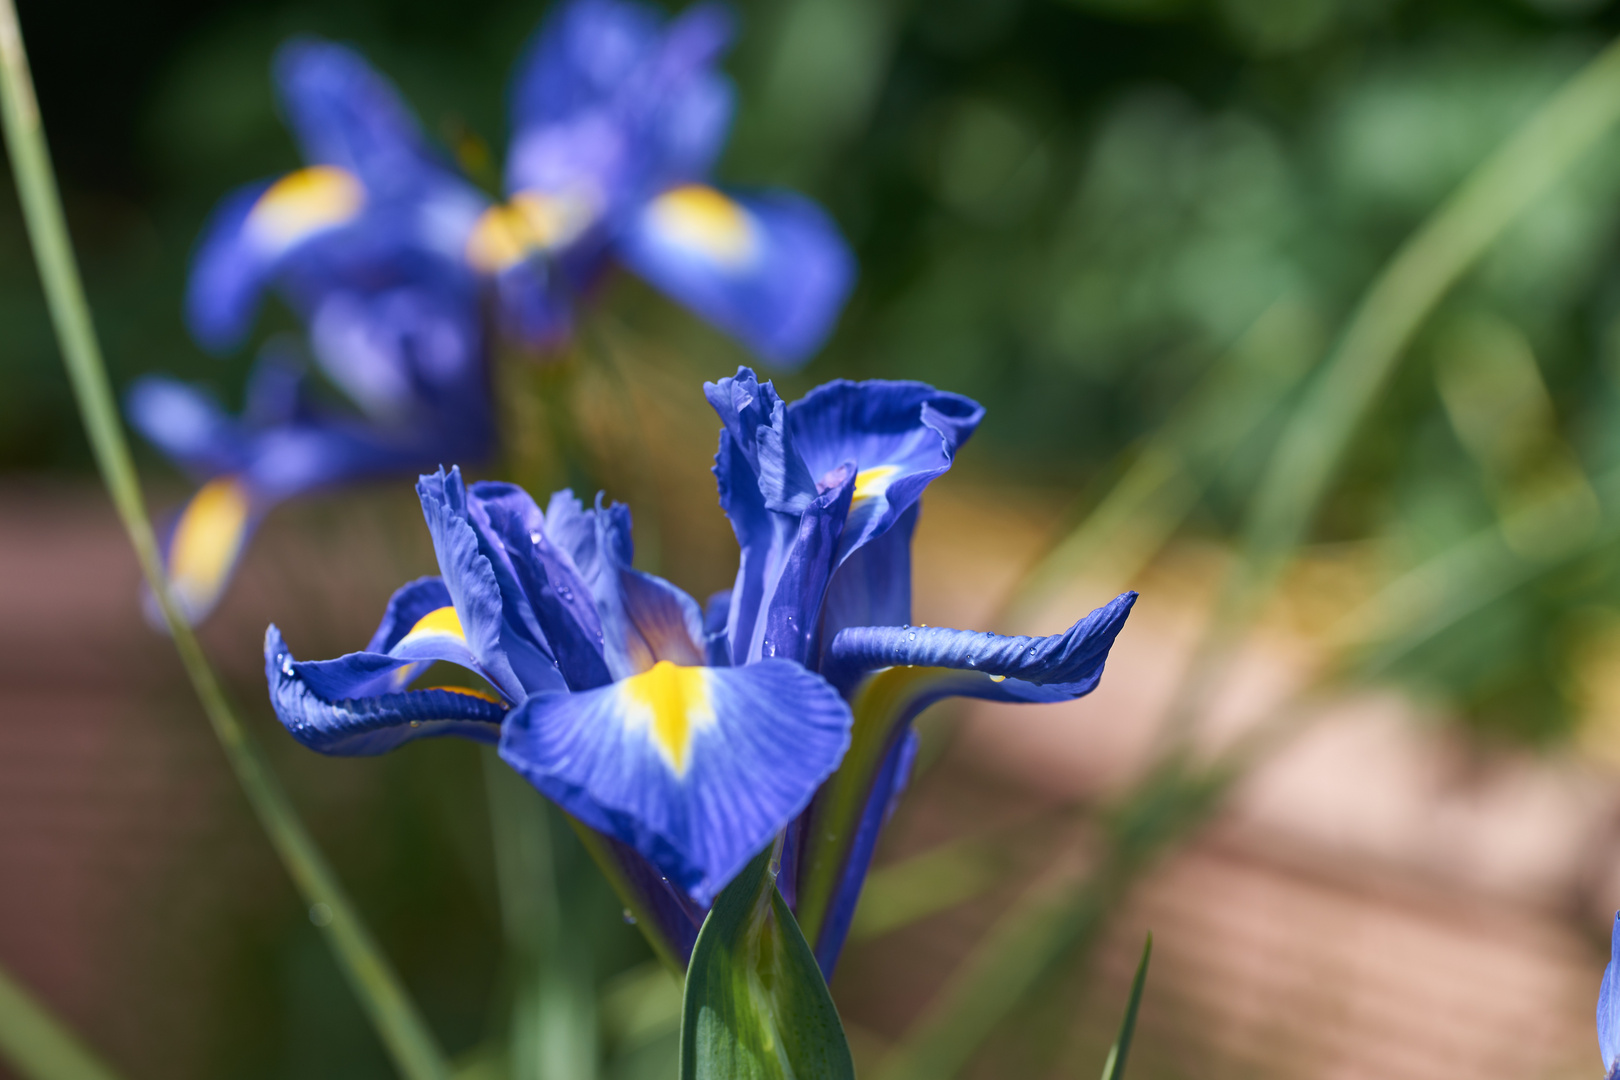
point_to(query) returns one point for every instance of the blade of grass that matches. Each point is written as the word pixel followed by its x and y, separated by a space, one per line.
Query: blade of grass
pixel 1114 1067
pixel 37 1044
pixel 397 1021
pixel 1428 264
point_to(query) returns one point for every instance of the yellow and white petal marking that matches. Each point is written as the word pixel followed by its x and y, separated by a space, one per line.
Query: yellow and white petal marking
pixel 533 222
pixel 872 483
pixel 670 704
pixel 440 622
pixel 303 203
pixel 207 540
pixel 702 220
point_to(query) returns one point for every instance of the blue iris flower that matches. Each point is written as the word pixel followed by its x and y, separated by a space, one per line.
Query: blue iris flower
pixel 690 738
pixel 363 246
pixel 617 121
pixel 1608 1008
pixel 823 497
pixel 593 683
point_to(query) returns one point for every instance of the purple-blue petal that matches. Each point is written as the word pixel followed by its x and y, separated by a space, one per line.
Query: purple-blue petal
pixel 375 724
pixel 776 732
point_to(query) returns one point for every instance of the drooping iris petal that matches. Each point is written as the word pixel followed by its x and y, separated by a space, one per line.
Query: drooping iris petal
pixel 1608 1007
pixel 341 720
pixel 770 269
pixel 205 545
pixel 187 424
pixel 248 236
pixel 696 768
pixel 1054 668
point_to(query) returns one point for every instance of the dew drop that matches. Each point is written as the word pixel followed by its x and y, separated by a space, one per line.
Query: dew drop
pixel 911 636
pixel 534 538
pixel 320 914
pixel 416 723
pixel 629 918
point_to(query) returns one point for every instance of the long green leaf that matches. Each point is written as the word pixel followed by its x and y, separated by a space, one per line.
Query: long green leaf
pixel 756 1006
pixel 1114 1067
pixel 374 981
pixel 37 1044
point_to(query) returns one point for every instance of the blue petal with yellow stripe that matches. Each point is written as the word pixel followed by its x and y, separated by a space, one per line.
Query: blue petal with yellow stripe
pixel 695 767
pixel 1608 1007
pixel 771 269
pixel 342 718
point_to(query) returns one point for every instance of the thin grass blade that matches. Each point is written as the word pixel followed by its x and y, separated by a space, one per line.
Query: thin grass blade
pixel 398 1023
pixel 37 1044
pixel 1114 1067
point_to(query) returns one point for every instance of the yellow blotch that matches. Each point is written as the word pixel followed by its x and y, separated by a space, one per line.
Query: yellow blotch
pixel 870 483
pixel 303 203
pixel 207 540
pixel 674 702
pixel 438 621
pixel 534 221
pixel 702 219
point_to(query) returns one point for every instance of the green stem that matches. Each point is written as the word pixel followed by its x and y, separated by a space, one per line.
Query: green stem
pixel 37 1044
pixel 378 987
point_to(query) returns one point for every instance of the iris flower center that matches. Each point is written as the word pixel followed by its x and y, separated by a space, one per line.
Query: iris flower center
pixel 671 703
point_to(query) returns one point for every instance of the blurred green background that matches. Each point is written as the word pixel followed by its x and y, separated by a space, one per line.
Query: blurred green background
pixel 1072 211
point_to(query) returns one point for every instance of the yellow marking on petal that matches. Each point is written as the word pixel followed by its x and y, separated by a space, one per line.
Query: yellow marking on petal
pixel 438 621
pixel 207 540
pixel 870 483
pixel 672 703
pixel 534 221
pixel 707 222
pixel 470 692
pixel 303 203
pixel 499 240
pixel 998 678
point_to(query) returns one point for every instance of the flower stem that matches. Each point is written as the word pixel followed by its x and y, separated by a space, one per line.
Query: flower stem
pixel 397 1021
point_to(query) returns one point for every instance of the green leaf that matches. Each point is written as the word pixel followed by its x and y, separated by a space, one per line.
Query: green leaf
pixel 756 1005
pixel 1114 1067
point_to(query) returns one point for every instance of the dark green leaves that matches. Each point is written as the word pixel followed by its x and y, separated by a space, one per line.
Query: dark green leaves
pixel 1114 1067
pixel 756 1005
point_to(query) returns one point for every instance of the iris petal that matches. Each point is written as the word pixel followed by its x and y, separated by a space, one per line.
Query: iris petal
pixel 1051 668
pixel 335 723
pixel 770 269
pixel 348 116
pixel 205 545
pixel 696 768
pixel 499 645
pixel 1608 1006
pixel 187 424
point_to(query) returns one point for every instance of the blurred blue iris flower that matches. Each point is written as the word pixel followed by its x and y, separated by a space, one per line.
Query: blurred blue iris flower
pixel 386 253
pixel 617 121
pixel 363 246
pixel 1608 1007
pixel 690 739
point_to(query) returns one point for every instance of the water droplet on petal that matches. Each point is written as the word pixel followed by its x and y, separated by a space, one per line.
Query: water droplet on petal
pixel 911 636
pixel 534 538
